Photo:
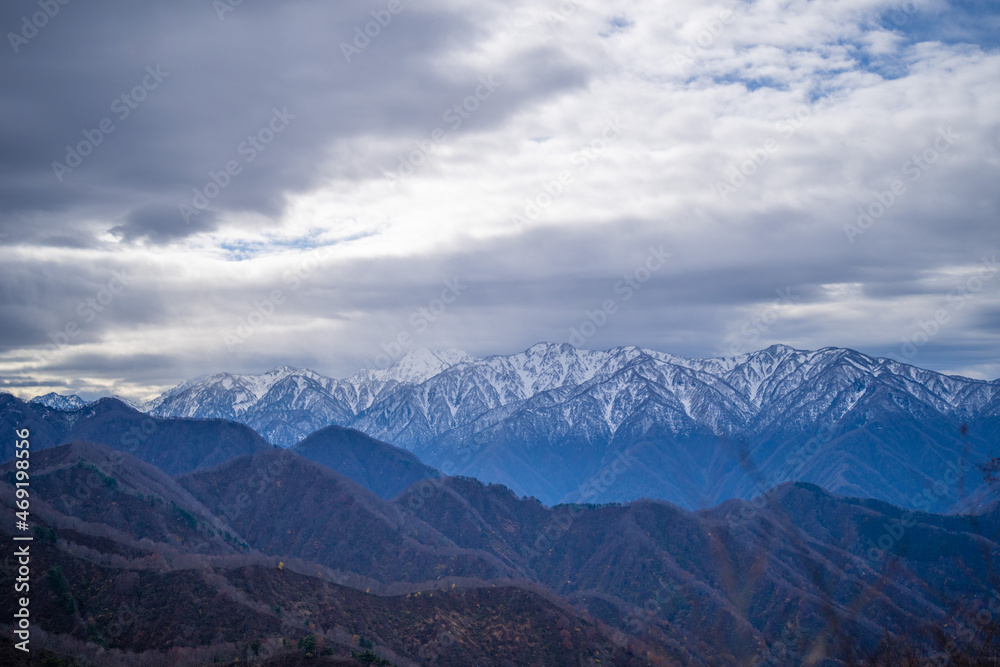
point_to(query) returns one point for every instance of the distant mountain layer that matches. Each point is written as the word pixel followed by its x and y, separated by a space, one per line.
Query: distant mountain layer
pixel 224 563
pixel 564 424
pixel 377 466
pixel 173 445
pixel 285 404
pixel 54 400
pixel 141 573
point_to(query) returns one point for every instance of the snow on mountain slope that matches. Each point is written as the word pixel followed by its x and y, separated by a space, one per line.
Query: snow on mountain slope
pixel 58 402
pixel 421 365
pixel 287 404
pixel 776 388
pixel 550 419
pixel 428 394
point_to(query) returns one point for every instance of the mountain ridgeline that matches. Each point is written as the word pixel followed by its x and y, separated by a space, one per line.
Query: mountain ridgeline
pixel 192 540
pixel 377 466
pixel 569 425
pixel 270 558
pixel 174 445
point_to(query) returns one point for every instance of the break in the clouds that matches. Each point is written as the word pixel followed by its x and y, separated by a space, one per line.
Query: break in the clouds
pixel 200 186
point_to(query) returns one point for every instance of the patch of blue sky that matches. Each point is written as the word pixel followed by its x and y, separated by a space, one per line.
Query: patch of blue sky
pixel 243 250
pixel 616 24
pixel 961 22
pixel 975 23
pixel 955 22
pixel 886 65
pixel 751 83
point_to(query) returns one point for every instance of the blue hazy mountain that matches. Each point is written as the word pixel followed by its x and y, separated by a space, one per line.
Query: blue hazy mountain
pixel 564 424
pixel 379 467
pixel 252 548
pixel 173 445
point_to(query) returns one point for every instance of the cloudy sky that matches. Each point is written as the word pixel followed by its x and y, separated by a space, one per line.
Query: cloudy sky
pixel 197 186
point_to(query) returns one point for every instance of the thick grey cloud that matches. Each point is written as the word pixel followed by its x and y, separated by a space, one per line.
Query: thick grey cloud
pixel 640 110
pixel 159 224
pixel 154 98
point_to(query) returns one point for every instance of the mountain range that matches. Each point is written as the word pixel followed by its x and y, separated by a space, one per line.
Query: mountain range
pixel 141 572
pixel 268 556
pixel 183 540
pixel 564 425
pixel 174 445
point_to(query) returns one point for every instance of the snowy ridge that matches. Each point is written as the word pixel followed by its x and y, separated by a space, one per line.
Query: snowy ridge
pixel 551 419
pixel 427 394
pixel 58 402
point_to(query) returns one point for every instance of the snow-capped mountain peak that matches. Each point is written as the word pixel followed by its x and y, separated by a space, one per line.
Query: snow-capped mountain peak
pixel 422 364
pixel 549 420
pixel 545 419
pixel 429 398
pixel 59 402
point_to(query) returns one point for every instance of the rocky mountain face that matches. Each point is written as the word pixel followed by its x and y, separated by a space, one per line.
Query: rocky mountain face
pixel 564 424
